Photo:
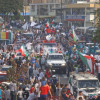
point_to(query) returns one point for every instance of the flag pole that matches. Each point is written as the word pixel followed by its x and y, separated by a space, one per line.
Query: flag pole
pixel 59 88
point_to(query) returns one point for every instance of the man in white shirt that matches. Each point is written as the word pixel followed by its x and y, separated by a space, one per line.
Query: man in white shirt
pixel 35 72
pixel 41 74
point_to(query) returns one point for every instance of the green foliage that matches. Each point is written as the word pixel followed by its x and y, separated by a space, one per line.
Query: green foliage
pixel 10 6
pixel 97 32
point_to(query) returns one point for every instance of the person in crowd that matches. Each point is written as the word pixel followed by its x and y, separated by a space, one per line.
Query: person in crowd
pixel 20 94
pixel 33 60
pixel 35 72
pixel 32 96
pixel 37 87
pixel 80 95
pixel 32 89
pixel 26 93
pixel 44 89
pixel 13 90
pixel 47 73
pixel 37 65
pixel 32 79
pixel 7 93
pixel 30 71
pixel 41 74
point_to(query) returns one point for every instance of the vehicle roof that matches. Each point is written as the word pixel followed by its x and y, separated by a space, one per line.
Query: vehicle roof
pixel 84 76
pixel 28 33
pixel 7 66
pixel 49 43
pixel 55 54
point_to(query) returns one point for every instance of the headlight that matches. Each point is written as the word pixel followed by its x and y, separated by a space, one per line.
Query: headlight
pixel 50 64
pixel 63 64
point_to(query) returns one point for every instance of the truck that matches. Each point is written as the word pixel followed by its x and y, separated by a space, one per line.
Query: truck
pixel 56 61
pixel 3 76
pixel 85 82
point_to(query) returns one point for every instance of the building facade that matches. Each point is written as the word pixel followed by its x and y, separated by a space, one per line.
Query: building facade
pixel 80 13
pixel 42 10
pixel 47 1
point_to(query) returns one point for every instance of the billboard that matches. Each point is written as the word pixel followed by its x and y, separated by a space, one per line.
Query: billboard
pixel 75 18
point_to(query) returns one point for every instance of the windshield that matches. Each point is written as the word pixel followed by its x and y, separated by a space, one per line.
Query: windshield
pixel 19 54
pixel 97 53
pixel 3 77
pixel 4 69
pixel 55 57
pixel 88 84
pixel 29 35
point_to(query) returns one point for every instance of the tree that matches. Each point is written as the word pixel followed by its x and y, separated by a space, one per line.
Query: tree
pixel 15 73
pixel 10 6
pixel 97 19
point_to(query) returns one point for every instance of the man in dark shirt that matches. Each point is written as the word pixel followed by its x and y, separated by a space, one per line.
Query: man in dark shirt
pixel 26 94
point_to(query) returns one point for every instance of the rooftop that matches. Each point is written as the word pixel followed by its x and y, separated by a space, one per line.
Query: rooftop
pixel 84 76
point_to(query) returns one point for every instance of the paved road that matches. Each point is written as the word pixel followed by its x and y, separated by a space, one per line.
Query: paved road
pixel 63 78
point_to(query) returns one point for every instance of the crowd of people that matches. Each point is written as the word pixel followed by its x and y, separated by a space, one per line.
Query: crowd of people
pixel 34 81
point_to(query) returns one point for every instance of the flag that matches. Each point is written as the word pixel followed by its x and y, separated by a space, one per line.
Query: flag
pixel 52 22
pixel 47 24
pixel 25 26
pixel 33 24
pixel 7 35
pixel 23 51
pixel 75 38
pixel 70 33
pixel 53 25
pixel 3 35
pixel 88 61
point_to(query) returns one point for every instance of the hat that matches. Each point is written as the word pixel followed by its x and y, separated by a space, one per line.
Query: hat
pixel 54 76
pixel 27 89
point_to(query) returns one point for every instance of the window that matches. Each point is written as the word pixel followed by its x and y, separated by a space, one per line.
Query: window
pixel 42 10
pixel 68 11
pixel 51 8
pixel 55 57
pixel 78 11
pixel 89 11
pixel 33 8
pixel 58 12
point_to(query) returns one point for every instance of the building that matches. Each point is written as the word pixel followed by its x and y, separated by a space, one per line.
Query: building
pixel 47 1
pixel 78 13
pixel 42 10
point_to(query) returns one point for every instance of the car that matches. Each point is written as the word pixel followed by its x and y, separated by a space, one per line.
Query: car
pixel 56 61
pixel 3 76
pixel 85 82
pixel 6 68
pixel 49 46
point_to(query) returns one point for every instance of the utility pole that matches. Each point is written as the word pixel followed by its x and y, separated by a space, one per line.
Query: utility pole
pixel 61 11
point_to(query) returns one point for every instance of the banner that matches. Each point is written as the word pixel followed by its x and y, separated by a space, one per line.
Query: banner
pixel 75 18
